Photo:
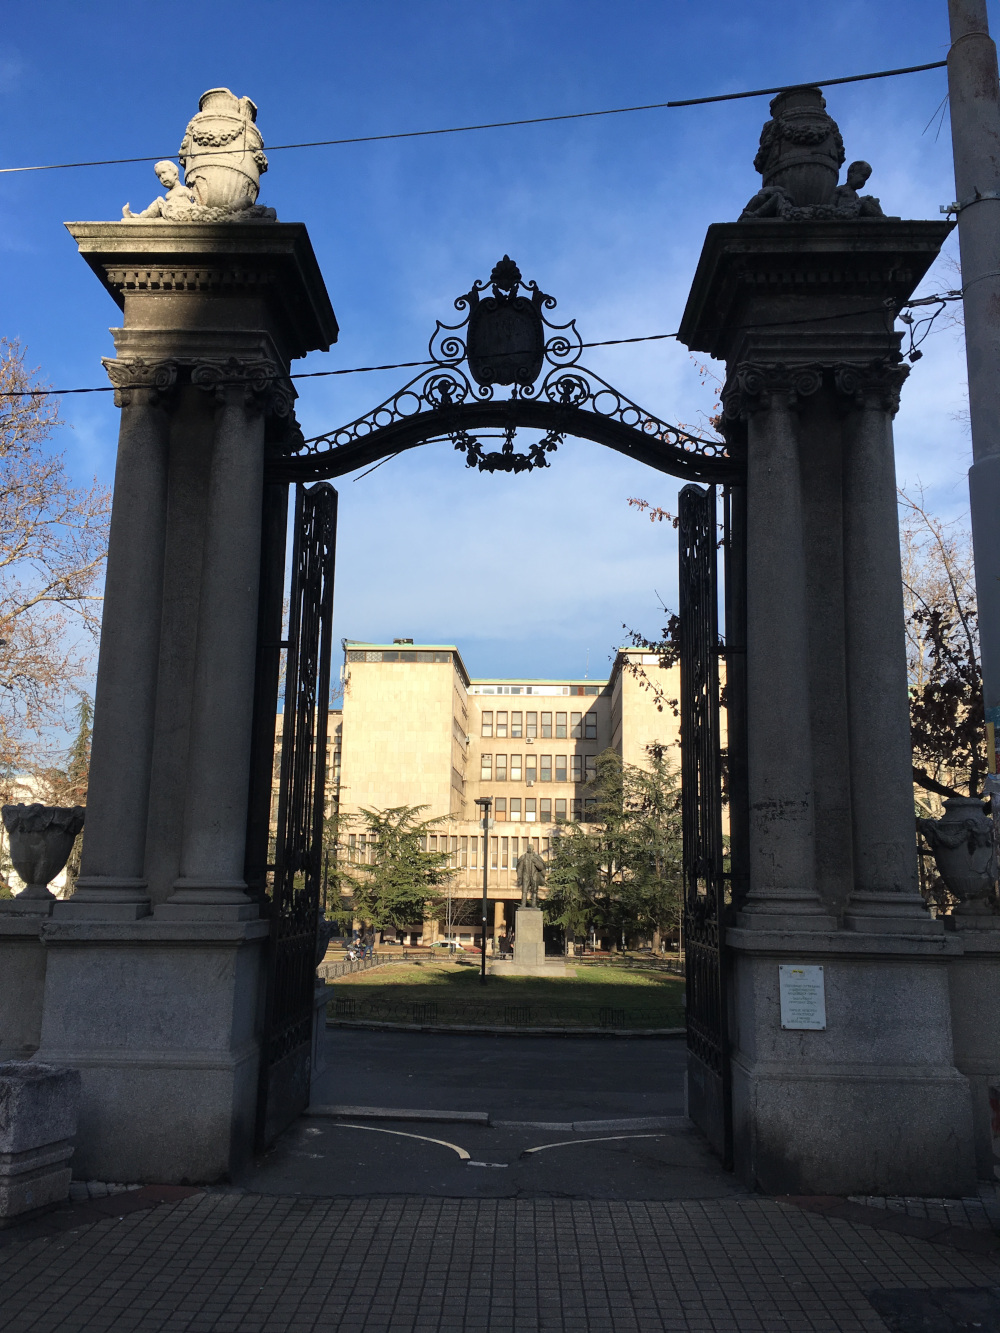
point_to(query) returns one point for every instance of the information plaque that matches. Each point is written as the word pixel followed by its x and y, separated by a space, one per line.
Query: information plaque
pixel 803 998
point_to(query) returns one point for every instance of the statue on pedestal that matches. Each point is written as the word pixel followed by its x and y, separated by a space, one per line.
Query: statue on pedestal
pixel 530 876
pixel 222 154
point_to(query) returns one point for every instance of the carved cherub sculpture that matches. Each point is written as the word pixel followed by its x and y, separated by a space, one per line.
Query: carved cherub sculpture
pixel 846 196
pixel 177 204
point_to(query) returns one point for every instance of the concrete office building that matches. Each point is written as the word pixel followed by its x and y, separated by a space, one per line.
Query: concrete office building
pixel 417 730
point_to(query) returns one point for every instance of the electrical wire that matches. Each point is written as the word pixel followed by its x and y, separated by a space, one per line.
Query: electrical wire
pixel 506 124
pixel 604 342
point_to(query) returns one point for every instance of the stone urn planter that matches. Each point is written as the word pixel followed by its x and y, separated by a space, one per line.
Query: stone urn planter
pixel 965 852
pixel 41 839
pixel 222 152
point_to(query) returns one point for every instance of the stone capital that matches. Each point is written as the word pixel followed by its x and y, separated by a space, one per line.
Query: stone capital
pixel 140 382
pixel 876 384
pixel 260 385
pixel 754 387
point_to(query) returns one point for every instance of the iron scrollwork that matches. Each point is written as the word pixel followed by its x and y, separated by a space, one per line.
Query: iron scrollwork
pixel 507 340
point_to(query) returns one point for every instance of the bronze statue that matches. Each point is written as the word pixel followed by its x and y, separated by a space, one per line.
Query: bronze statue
pixel 530 876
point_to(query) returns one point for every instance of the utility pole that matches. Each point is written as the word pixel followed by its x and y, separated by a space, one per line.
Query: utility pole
pixel 974 94
pixel 484 802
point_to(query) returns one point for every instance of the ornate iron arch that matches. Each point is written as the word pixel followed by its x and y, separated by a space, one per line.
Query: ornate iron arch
pixel 506 340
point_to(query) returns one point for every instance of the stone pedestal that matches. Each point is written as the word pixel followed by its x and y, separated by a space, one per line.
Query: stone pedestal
pixel 873 1104
pixel 529 942
pixel 529 949
pixel 153 986
pixel 974 983
pixel 22 968
pixel 38 1121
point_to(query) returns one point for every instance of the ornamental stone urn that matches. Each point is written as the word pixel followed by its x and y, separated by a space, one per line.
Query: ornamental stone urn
pixel 222 152
pixel 964 847
pixel 41 839
pixel 801 150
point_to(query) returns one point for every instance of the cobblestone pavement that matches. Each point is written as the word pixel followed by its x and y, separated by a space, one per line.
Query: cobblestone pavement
pixel 246 1263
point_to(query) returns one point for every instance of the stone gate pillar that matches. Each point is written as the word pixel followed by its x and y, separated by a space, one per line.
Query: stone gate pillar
pixel 798 299
pixel 153 980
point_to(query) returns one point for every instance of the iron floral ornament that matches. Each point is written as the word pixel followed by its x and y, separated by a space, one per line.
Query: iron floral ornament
pixel 506 341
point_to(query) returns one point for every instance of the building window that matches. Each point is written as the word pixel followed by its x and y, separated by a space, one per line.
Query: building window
pixel 502 724
pixel 529 810
pixel 488 722
pixel 531 725
pixel 500 808
pixel 560 768
pixel 530 772
pixel 432 840
pixel 576 768
pixel 560 726
pixel 590 809
pixel 465 847
pixel 515 768
pixel 352 848
pixel 560 809
pixel 494 844
pixel 591 767
pixel 515 726
pixel 474 858
pixel 576 808
pixel 501 768
pixel 591 723
pixel 546 768
pixel 545 848
pixel 504 855
pixel 515 809
pixel 547 726
pixel 576 726
pixel 486 768
pixel 535 846
pixel 545 810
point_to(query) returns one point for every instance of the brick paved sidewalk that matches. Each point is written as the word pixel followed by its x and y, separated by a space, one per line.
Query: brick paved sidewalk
pixel 238 1263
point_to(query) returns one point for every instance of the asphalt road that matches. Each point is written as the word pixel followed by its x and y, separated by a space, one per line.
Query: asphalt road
pixel 512 1078
pixel 532 1088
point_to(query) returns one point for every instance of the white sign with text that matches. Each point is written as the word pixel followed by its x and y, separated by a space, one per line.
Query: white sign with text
pixel 803 997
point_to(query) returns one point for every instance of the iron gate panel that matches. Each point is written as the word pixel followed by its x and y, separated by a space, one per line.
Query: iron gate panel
pixel 709 1102
pixel 294 899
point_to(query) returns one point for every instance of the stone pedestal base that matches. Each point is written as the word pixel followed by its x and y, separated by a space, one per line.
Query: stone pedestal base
pixel 529 943
pixel 974 983
pixel 38 1121
pixel 22 969
pixel 161 1019
pixel 552 967
pixel 873 1104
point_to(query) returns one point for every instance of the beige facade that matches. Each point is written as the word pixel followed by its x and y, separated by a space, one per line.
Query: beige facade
pixel 418 730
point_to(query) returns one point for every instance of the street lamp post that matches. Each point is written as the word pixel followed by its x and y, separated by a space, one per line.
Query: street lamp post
pixel 485 802
pixel 974 97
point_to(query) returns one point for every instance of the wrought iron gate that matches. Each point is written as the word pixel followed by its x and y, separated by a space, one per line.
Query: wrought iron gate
pixel 709 1103
pixel 293 895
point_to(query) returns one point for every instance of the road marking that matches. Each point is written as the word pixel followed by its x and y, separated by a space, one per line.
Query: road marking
pixel 375 1129
pixel 572 1143
pixel 497 1166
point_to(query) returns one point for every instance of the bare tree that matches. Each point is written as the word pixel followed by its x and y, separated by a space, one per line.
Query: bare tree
pixel 942 647
pixel 53 541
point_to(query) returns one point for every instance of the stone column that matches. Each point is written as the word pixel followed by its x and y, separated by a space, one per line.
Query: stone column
pixel 214 841
pixel 885 895
pixel 112 884
pixel 782 837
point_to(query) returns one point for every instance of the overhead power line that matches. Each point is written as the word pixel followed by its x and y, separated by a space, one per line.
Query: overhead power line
pixel 507 124
pixel 885 309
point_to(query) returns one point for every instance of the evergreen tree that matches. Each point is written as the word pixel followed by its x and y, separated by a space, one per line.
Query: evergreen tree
pixel 402 883
pixel 621 874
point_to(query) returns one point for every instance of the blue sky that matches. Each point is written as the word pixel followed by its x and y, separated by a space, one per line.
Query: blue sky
pixel 530 574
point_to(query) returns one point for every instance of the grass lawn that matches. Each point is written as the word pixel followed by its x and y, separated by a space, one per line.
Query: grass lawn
pixel 450 992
